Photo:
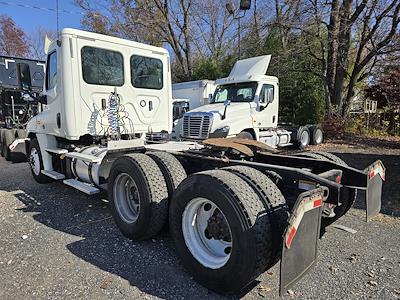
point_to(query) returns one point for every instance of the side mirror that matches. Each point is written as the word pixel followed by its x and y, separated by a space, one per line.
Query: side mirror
pixel 24 76
pixel 227 102
pixel 210 96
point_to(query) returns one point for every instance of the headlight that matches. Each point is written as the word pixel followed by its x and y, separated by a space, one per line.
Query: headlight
pixel 220 132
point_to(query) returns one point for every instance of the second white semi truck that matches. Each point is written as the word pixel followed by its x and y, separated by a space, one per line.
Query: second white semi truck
pixel 245 104
pixel 233 210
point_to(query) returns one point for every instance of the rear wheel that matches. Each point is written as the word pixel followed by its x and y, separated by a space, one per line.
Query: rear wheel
pixel 303 137
pixel 221 231
pixel 274 203
pixel 317 135
pixel 138 195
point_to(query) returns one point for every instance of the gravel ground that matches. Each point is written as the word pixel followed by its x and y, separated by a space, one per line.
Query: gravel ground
pixel 57 243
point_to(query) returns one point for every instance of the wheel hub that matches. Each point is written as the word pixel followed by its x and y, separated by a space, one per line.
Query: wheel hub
pixel 217 227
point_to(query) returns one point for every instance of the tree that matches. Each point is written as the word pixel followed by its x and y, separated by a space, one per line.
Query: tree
pixel 13 40
pixel 386 91
pixel 359 33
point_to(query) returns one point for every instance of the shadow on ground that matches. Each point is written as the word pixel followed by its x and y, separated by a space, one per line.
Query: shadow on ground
pixel 151 266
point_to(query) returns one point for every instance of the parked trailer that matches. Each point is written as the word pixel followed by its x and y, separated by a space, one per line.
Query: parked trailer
pixel 17 101
pixel 234 207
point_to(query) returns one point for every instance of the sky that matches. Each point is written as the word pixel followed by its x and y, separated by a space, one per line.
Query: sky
pixel 29 18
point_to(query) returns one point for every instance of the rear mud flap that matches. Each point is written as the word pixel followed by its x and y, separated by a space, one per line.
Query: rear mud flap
pixel 300 240
pixel 376 174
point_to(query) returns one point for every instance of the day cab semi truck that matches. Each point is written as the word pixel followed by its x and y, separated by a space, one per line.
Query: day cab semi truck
pixel 245 104
pixel 21 80
pixel 235 207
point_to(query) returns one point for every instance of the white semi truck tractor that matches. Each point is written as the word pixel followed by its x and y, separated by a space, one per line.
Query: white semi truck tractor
pixel 245 104
pixel 234 207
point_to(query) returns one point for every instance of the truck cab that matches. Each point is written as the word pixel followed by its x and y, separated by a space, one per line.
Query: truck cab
pixel 84 69
pixel 244 104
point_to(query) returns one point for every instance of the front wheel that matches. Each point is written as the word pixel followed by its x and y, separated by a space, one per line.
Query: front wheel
pixel 36 162
pixel 245 135
pixel 221 230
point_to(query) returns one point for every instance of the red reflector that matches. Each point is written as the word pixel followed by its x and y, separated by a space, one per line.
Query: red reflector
pixel 289 239
pixel 338 179
pixel 317 203
pixel 371 174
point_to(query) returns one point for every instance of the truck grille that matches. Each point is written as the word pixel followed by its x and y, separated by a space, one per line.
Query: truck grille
pixel 196 126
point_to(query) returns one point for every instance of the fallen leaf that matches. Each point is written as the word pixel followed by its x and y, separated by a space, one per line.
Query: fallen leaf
pixel 270 273
pixel 290 292
pixel 372 283
pixel 333 269
pixel 371 274
pixel 354 258
pixel 396 291
pixel 105 283
pixel 264 288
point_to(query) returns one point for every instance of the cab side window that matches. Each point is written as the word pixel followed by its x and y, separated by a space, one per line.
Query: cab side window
pixel 51 72
pixel 265 89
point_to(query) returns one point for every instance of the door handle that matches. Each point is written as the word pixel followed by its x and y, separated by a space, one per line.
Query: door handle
pixel 150 105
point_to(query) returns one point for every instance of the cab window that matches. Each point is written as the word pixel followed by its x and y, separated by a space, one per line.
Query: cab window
pixel 51 72
pixel 146 72
pixel 102 66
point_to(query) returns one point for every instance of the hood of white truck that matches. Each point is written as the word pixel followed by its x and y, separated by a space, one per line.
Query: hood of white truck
pixel 218 108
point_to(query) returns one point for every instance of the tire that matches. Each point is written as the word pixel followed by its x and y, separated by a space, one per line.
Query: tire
pixel 313 155
pixel 274 204
pixel 148 184
pixel 36 163
pixel 245 135
pixel 240 210
pixel 303 137
pixel 317 134
pixel 171 168
pixel 332 157
pixel 348 203
pixel 8 139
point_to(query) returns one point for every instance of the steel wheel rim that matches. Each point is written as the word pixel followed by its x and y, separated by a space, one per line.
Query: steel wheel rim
pixel 304 138
pixel 209 251
pixel 318 136
pixel 34 161
pixel 126 198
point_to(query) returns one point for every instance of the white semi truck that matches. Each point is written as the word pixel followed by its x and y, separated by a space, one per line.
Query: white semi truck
pixel 245 104
pixel 233 207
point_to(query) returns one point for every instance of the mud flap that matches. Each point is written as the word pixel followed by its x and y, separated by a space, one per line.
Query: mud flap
pixel 300 240
pixel 376 174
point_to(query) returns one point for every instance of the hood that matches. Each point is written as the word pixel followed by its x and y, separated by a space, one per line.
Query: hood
pixel 218 108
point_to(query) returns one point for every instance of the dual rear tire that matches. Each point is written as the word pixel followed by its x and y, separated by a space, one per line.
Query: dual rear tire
pixel 226 224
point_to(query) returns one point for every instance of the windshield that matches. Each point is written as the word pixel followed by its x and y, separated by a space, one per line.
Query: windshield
pixel 235 92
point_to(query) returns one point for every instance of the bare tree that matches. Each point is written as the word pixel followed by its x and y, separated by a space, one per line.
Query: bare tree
pixel 13 40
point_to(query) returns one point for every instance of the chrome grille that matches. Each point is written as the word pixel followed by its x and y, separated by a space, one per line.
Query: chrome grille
pixel 196 126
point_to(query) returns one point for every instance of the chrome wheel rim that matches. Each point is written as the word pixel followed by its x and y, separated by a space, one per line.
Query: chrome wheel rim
pixel 318 136
pixel 304 139
pixel 126 198
pixel 34 161
pixel 207 233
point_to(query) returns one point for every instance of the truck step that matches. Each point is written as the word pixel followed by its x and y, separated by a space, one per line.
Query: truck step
pixel 53 174
pixel 57 150
pixel 81 186
pixel 84 157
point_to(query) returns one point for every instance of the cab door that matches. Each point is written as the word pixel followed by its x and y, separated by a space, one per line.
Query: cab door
pixel 266 115
pixel 51 115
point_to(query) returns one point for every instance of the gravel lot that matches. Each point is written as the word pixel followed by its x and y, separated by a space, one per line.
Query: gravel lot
pixel 58 243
